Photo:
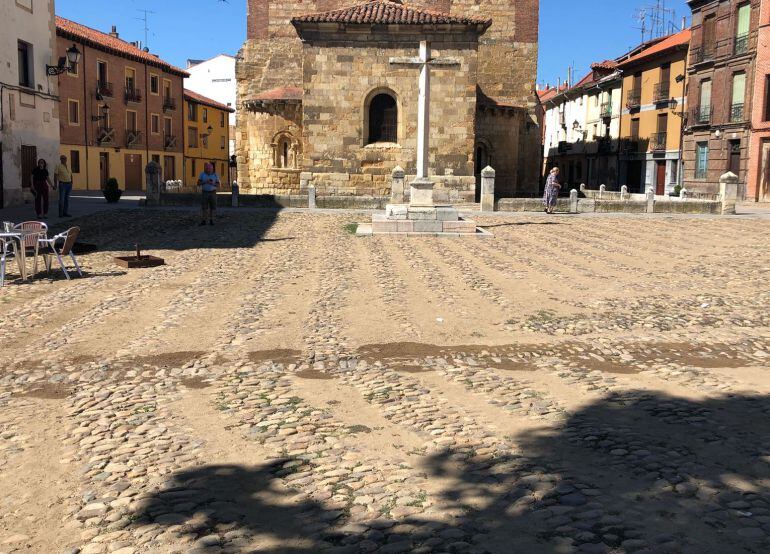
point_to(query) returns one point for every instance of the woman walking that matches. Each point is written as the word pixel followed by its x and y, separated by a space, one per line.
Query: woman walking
pixel 41 182
pixel 552 188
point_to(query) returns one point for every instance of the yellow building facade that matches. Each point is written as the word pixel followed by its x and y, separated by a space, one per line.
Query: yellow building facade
pixel 654 108
pixel 206 137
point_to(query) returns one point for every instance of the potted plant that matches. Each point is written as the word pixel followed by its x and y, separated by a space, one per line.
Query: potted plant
pixel 111 191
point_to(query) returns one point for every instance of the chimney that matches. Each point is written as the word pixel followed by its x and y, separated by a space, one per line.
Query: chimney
pixel 684 22
pixel 114 32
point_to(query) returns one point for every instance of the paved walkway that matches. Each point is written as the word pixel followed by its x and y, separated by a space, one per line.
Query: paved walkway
pixel 81 203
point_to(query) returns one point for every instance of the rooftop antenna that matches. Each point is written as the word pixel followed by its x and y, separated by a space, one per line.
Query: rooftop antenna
pixel 146 20
pixel 655 20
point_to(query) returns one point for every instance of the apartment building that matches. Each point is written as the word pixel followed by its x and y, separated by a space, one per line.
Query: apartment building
pixel 215 79
pixel 29 124
pixel 207 137
pixel 721 73
pixel 758 176
pixel 121 109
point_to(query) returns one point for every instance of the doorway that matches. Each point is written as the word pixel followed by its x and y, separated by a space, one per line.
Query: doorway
pixel 482 161
pixel 133 172
pixel 764 176
pixel 169 168
pixel 660 178
pixel 28 163
pixel 2 195
pixel 104 169
pixel 634 176
pixel 735 157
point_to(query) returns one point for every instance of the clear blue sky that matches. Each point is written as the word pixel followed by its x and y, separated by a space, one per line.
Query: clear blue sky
pixel 571 31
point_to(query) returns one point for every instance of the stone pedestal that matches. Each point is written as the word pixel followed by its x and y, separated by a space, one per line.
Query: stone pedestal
pixel 409 219
pixel 487 189
pixel 728 191
pixel 421 193
pixel 397 177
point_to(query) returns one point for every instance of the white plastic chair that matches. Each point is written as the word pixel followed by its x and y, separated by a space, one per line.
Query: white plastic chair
pixel 67 240
pixel 7 251
pixel 37 230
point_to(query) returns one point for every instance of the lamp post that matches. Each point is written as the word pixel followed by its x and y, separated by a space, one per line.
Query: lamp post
pixel 104 110
pixel 66 64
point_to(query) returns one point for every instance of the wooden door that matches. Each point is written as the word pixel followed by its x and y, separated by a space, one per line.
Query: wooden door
pixel 764 183
pixel 735 157
pixel 133 172
pixel 660 179
pixel 104 168
pixel 28 163
pixel 169 168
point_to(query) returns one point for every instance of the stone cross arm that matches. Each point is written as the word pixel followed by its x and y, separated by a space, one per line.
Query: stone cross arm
pixel 450 62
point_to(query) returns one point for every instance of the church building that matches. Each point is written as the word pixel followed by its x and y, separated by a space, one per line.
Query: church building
pixel 321 102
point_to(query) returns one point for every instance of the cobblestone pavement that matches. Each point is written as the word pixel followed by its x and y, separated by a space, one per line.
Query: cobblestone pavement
pixel 588 385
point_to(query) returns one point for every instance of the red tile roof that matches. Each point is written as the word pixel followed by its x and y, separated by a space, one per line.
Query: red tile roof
pixel 200 99
pixel 678 40
pixel 606 64
pixel 389 12
pixel 282 93
pixel 96 39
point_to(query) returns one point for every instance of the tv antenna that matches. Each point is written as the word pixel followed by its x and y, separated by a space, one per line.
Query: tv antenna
pixel 655 20
pixel 146 20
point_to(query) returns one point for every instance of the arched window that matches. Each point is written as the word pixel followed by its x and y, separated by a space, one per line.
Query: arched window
pixel 284 151
pixel 383 119
pixel 483 157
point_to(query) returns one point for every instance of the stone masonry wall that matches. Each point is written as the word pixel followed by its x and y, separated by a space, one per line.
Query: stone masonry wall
pixel 340 78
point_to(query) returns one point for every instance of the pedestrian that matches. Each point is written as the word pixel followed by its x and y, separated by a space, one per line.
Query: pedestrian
pixel 41 183
pixel 62 180
pixel 209 183
pixel 551 193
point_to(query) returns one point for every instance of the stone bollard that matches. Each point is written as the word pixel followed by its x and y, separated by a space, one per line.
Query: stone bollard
pixel 602 188
pixel 683 194
pixel 573 201
pixel 235 194
pixel 154 178
pixel 488 189
pixel 397 179
pixel 623 192
pixel 728 191
pixel 311 197
pixel 650 201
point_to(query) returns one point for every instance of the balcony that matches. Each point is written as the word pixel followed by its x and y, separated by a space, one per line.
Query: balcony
pixel 104 89
pixel 169 142
pixel 133 137
pixel 737 114
pixel 105 135
pixel 169 103
pixel 133 94
pixel 606 110
pixel 741 45
pixel 658 142
pixel 634 99
pixel 661 93
pixel 700 115
pixel 701 54
pixel 563 120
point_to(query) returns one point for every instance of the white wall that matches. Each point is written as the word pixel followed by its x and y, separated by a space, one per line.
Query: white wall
pixel 29 116
pixel 215 79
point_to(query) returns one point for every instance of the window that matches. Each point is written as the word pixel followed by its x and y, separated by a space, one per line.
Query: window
pixel 383 119
pixel 155 123
pixel 166 89
pixel 192 111
pixel 767 98
pixel 222 143
pixel 154 84
pixel 674 172
pixel 75 161
pixel 222 120
pixel 26 65
pixel 709 33
pixel 167 126
pixel 101 72
pixel 130 79
pixel 192 137
pixel 738 98
pixel 205 115
pixel 156 158
pixel 73 108
pixel 205 141
pixel 742 28
pixel 193 166
pixel 130 121
pixel 635 129
pixel 701 160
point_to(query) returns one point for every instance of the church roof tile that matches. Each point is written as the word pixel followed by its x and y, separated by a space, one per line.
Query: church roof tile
pixel 389 12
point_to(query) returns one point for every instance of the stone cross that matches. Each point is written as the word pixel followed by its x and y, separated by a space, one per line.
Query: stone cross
pixel 425 62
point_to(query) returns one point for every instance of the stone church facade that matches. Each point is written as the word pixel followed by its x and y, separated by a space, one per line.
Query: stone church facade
pixel 321 103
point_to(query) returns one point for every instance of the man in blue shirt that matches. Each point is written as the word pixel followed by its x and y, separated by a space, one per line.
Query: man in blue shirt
pixel 209 183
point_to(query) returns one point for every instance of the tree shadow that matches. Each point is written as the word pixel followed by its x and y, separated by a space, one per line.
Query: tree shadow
pixel 172 228
pixel 635 472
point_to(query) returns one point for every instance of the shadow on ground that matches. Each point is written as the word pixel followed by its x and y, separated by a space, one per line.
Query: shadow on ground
pixel 637 472
pixel 172 229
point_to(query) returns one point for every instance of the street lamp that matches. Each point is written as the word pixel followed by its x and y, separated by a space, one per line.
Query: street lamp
pixel 104 110
pixel 66 64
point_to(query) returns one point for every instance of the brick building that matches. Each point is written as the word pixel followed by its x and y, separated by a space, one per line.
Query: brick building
pixel 758 178
pixel 207 137
pixel 321 100
pixel 720 72
pixel 122 108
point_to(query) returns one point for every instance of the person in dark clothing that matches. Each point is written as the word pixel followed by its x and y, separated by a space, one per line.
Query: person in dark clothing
pixel 41 183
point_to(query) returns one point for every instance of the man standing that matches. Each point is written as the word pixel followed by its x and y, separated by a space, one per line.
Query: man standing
pixel 63 181
pixel 209 183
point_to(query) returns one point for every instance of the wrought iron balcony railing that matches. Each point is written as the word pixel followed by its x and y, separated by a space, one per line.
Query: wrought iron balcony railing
pixel 105 135
pixel 606 110
pixel 700 115
pixel 169 141
pixel 103 88
pixel 169 103
pixel 741 44
pixel 702 54
pixel 133 137
pixel 658 142
pixel 133 94
pixel 661 93
pixel 737 113
pixel 634 99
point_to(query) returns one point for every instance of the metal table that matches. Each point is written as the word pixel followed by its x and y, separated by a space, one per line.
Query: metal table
pixel 20 250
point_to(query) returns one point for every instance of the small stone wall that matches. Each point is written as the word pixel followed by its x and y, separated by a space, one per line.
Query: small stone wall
pixel 592 205
pixel 280 201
